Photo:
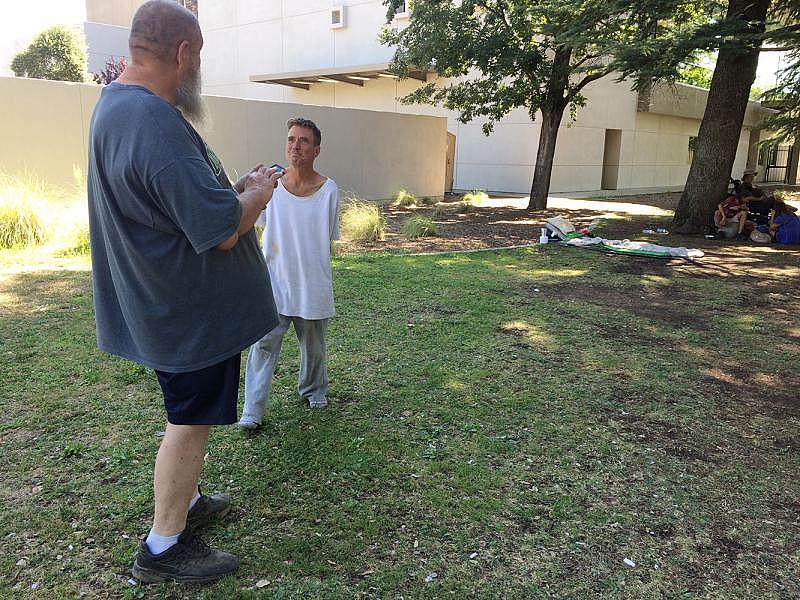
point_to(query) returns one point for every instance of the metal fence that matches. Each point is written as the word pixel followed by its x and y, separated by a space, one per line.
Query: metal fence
pixel 778 160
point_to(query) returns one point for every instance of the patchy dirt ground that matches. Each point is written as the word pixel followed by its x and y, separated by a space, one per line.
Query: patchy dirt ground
pixel 769 274
pixel 505 222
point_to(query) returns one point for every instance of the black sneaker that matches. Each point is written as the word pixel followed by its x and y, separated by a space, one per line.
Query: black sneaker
pixel 188 561
pixel 206 508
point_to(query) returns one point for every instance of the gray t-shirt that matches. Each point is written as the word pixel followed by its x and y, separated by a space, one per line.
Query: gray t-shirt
pixel 159 204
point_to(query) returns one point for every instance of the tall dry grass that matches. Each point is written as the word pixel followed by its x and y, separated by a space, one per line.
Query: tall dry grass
pixel 362 221
pixel 34 213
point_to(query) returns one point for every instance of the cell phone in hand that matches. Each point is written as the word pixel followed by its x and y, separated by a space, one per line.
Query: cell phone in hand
pixel 279 169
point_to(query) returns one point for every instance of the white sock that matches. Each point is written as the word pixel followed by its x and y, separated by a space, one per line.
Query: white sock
pixel 194 499
pixel 160 543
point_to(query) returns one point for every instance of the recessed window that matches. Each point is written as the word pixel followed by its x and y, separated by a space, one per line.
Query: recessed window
pixel 402 11
pixel 692 147
pixel 337 17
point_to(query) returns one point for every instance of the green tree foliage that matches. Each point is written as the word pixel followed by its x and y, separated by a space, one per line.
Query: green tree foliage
pixel 786 95
pixel 497 55
pixel 58 53
pixel 694 73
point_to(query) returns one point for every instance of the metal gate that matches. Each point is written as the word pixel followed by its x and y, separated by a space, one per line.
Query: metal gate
pixel 778 160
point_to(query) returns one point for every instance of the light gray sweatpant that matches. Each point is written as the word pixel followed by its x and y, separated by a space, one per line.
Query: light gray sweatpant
pixel 312 381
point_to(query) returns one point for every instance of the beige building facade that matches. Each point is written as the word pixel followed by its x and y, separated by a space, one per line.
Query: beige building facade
pixel 116 12
pixel 321 53
pixel 53 145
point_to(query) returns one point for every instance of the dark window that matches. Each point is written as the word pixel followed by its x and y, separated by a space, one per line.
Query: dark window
pixel 692 147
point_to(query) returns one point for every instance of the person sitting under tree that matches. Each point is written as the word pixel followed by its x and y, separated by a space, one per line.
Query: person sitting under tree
pixel 759 204
pixel 784 226
pixel 731 217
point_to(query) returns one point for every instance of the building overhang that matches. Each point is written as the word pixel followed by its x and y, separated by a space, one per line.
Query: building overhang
pixel 689 102
pixel 354 75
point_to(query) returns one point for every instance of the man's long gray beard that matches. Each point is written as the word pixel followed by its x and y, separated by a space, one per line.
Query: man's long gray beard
pixel 190 102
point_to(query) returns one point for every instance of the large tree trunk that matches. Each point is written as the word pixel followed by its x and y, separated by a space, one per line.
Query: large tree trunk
pixel 722 124
pixel 552 113
pixel 551 121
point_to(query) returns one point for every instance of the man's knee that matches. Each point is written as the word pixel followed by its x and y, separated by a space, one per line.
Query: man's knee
pixel 269 342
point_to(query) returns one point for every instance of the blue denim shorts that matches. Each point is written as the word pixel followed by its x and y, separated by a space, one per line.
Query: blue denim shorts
pixel 204 397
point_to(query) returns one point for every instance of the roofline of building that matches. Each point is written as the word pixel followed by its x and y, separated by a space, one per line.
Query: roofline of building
pixel 689 101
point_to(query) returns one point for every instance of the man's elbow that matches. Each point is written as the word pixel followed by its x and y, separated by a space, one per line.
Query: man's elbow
pixel 229 243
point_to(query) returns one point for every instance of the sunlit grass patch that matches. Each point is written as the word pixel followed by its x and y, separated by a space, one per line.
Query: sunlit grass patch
pixel 533 335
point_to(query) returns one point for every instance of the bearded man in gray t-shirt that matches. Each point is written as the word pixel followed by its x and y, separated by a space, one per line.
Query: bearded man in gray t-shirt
pixel 179 282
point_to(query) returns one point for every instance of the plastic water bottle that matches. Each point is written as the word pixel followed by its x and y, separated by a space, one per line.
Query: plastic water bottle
pixel 543 239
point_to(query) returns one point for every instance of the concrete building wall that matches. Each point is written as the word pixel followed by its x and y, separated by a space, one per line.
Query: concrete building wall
pixel 247 37
pixel 104 42
pixel 113 12
pixel 44 128
pixel 44 132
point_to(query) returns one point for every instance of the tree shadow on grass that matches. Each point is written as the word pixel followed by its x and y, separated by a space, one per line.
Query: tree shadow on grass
pixel 27 295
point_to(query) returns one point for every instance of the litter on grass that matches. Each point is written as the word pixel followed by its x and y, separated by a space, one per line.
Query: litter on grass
pixel 562 229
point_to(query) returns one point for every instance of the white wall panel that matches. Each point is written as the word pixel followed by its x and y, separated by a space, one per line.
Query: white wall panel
pixel 219 57
pixel 217 14
pixel 298 53
pixel 579 146
pixel 357 43
pixel 293 8
pixel 255 11
pixel 259 49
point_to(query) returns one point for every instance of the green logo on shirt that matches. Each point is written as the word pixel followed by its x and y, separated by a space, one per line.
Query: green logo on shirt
pixel 214 161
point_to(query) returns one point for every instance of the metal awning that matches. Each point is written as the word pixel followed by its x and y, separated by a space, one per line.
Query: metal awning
pixel 355 75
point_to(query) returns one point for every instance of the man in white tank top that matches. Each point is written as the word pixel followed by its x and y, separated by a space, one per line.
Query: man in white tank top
pixel 299 224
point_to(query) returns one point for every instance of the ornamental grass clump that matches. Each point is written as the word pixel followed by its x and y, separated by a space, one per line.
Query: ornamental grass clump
pixel 441 211
pixel 417 227
pixel 362 221
pixel 21 223
pixel 476 198
pixel 20 226
pixel 34 212
pixel 404 199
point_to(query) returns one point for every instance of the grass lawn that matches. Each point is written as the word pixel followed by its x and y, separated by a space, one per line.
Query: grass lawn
pixel 533 423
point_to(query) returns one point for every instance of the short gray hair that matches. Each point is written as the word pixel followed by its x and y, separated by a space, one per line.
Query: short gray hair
pixel 159 26
pixel 308 124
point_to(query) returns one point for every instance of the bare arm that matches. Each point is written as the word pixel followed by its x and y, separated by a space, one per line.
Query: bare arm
pixel 258 187
pixel 722 221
